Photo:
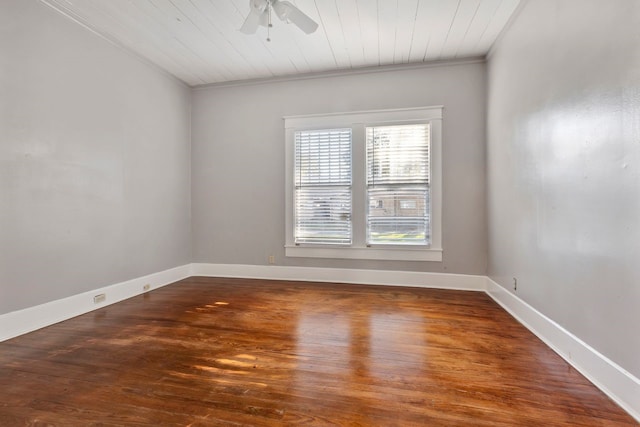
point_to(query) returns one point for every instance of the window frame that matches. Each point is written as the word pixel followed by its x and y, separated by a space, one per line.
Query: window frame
pixel 358 121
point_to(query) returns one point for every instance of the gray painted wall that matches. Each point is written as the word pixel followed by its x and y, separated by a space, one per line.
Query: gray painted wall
pixel 238 161
pixel 94 161
pixel 564 168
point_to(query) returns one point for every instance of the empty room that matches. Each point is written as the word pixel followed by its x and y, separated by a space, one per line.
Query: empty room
pixel 319 212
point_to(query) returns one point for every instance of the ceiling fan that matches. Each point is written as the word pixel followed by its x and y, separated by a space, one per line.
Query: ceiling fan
pixel 260 14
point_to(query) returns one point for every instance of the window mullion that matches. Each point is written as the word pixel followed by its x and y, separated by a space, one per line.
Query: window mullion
pixel 359 189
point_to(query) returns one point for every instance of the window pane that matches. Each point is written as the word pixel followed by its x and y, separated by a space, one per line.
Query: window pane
pixel 398 154
pixel 323 215
pixel 398 216
pixel 323 186
pixel 398 184
pixel 323 157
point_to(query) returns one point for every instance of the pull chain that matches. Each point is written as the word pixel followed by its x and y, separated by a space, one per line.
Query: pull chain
pixel 269 23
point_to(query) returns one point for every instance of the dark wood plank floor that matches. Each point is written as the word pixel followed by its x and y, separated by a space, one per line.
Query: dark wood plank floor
pixel 247 352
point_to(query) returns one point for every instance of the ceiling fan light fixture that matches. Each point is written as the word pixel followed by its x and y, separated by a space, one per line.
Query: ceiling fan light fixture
pixel 260 15
pixel 259 6
pixel 281 10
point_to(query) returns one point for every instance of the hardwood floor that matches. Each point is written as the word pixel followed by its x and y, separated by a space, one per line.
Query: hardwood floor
pixel 230 352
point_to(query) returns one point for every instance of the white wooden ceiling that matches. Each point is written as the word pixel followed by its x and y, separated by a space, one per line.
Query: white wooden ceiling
pixel 198 40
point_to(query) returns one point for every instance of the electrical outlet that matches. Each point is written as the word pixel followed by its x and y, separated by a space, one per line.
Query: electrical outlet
pixel 515 284
pixel 146 287
pixel 99 298
pixel 272 259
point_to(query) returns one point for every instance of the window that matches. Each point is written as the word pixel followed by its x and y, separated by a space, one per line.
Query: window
pixel 398 177
pixel 364 185
pixel 323 186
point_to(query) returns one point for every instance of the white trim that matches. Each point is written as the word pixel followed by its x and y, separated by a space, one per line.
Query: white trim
pixel 621 386
pixel 68 13
pixel 32 318
pixel 416 279
pixel 375 253
pixel 342 72
pixel 369 117
pixel 510 22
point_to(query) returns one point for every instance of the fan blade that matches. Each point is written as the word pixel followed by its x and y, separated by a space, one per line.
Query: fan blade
pixel 251 24
pixel 254 19
pixel 288 12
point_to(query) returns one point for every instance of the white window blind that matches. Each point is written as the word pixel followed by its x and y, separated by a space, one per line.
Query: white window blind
pixel 322 177
pixel 398 184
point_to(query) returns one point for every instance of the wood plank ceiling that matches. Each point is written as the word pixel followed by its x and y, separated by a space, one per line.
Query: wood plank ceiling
pixel 198 40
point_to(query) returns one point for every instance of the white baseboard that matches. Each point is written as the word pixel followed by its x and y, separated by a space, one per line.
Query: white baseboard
pixel 613 380
pixel 30 319
pixel 618 384
pixel 344 275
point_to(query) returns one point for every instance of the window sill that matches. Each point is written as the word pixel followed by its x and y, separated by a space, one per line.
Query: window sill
pixel 374 253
